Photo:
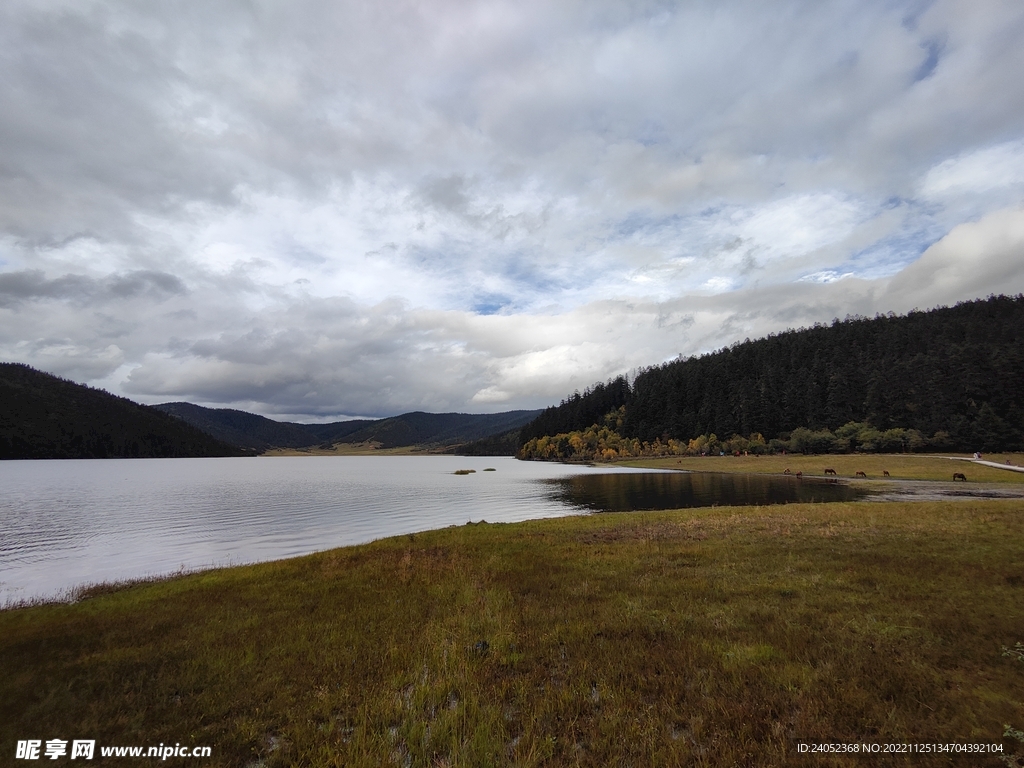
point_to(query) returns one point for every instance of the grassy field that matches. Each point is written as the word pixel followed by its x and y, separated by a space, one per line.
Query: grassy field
pixel 905 466
pixel 711 637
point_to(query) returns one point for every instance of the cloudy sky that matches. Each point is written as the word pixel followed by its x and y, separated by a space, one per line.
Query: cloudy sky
pixel 317 209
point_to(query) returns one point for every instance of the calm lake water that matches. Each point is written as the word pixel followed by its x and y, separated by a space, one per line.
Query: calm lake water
pixel 68 523
pixel 679 490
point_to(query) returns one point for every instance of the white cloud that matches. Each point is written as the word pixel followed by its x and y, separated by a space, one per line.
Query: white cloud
pixel 717 284
pixel 798 225
pixel 975 259
pixel 977 171
pixel 362 208
pixel 825 276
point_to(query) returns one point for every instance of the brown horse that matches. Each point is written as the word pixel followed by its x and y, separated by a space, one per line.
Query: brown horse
pixel 787 472
pixel 861 474
pixel 799 474
pixel 959 476
pixel 885 472
pixel 829 471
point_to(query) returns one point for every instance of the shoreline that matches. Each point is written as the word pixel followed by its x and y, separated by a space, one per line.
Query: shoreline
pixel 916 466
pixel 902 486
pixel 879 491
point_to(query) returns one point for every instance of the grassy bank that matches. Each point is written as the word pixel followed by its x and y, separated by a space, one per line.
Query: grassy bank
pixel 705 637
pixel 904 466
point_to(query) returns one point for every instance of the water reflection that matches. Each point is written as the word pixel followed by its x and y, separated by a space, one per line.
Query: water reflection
pixel 677 490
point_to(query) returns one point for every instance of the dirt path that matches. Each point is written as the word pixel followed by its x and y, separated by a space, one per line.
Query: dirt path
pixel 1011 467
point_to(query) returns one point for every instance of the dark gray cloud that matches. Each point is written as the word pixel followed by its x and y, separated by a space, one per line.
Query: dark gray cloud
pixel 365 208
pixel 30 284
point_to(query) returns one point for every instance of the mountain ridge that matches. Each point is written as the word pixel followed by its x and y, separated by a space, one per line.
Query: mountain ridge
pixel 43 416
pixel 416 428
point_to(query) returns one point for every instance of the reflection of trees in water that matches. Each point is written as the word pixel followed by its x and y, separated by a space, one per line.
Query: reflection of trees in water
pixel 650 490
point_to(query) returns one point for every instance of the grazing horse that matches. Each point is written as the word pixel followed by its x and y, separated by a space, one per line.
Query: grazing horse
pixel 829 471
pixel 787 472
pixel 959 476
pixel 799 474
pixel 885 472
pixel 861 474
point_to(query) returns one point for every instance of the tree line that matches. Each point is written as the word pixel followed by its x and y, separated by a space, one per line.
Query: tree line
pixel 946 379
pixel 46 417
pixel 578 411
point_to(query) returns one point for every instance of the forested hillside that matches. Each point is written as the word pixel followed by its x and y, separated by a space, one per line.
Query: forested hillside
pixel 45 417
pixel 578 411
pixel 438 429
pixel 503 444
pixel 950 378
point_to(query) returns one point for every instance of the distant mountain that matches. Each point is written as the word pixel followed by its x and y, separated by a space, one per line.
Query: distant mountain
pixel 438 429
pixel 46 417
pixel 434 430
pixel 247 430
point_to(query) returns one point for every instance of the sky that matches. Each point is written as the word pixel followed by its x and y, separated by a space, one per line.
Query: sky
pixel 316 210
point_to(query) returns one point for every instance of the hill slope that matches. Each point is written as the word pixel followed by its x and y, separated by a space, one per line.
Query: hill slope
pixel 249 430
pixel 501 444
pixel 954 372
pixel 437 429
pixel 45 417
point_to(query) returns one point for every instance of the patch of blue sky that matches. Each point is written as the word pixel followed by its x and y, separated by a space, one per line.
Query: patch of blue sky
pixel 300 254
pixel 641 226
pixel 436 259
pixel 466 267
pixel 492 304
pixel 530 283
pixel 8 255
pixel 639 223
pixel 933 51
pixel 888 256
pixel 450 258
pixel 714 210
pixel 518 279
pixel 652 133
pixel 825 276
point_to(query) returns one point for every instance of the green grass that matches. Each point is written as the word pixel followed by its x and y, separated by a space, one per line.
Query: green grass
pixel 905 466
pixel 711 637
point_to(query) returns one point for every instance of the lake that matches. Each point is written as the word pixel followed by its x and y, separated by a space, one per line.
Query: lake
pixel 68 523
pixel 75 522
pixel 680 490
